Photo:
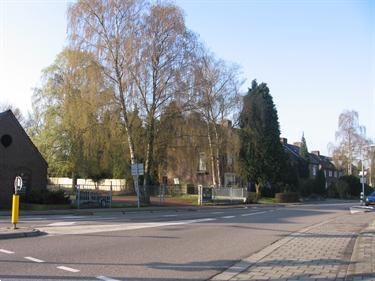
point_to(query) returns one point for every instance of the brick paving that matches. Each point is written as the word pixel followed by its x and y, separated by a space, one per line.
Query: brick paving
pixel 318 253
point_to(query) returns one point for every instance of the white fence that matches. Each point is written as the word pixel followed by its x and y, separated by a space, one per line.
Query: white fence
pixel 229 194
pixel 105 184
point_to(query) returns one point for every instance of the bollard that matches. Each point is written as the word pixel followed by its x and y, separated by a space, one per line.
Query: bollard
pixel 15 210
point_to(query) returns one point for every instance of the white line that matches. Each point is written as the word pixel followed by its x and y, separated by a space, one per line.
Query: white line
pixel 68 269
pixel 33 259
pixel 252 214
pixel 104 278
pixel 214 213
pixel 170 216
pixel 6 251
pixel 227 217
pixel 62 223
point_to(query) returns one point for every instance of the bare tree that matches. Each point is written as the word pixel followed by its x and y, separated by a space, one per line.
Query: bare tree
pixel 351 138
pixel 217 95
pixel 164 47
pixel 107 28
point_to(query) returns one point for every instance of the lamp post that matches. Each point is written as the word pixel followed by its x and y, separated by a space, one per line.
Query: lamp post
pixel 363 180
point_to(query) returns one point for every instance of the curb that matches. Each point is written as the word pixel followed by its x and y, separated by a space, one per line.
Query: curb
pixel 358 247
pixel 246 263
pixel 21 234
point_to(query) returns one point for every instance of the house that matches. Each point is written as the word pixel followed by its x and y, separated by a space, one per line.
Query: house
pixel 316 162
pixel 18 157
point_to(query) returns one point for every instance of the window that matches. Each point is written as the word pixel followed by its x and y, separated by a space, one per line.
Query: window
pixel 330 173
pixel 202 162
pixel 6 140
pixel 314 170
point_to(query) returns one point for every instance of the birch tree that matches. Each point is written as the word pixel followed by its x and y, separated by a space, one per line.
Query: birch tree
pixel 217 95
pixel 164 47
pixel 107 29
pixel 351 140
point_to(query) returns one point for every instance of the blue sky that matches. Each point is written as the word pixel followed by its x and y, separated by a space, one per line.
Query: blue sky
pixel 318 57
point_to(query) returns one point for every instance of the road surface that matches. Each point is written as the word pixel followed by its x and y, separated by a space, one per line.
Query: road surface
pixel 164 245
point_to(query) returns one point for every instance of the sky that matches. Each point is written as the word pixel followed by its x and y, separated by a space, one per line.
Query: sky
pixel 317 56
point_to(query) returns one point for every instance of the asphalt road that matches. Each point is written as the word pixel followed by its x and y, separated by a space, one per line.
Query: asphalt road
pixel 184 245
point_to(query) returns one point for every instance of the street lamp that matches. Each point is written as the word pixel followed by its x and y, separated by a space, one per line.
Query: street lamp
pixel 363 180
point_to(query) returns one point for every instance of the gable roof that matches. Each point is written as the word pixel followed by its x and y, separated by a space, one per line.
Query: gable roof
pixel 9 114
pixel 313 158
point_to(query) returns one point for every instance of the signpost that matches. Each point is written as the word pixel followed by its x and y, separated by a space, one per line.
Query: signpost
pixel 16 200
pixel 137 170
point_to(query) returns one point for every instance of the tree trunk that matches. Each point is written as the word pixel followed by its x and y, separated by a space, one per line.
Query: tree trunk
pixel 211 155
pixel 149 159
pixel 257 189
pixel 217 156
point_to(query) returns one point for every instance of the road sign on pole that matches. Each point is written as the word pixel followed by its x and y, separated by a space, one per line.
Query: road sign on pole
pixel 137 169
pixel 17 184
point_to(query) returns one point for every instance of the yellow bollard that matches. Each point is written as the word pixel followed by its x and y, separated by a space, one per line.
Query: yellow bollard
pixel 15 210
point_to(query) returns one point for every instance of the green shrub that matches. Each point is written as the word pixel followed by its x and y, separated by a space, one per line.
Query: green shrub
pixel 306 187
pixel 287 197
pixel 45 196
pixel 252 197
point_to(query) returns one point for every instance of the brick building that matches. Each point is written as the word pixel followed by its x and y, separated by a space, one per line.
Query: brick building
pixel 18 157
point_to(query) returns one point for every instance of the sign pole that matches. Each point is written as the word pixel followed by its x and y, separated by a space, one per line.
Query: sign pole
pixel 16 201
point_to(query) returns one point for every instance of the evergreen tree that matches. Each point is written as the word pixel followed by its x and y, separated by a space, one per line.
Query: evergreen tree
pixel 303 151
pixel 261 154
pixel 304 163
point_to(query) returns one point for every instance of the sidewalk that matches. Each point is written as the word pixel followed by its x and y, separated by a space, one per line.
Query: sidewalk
pixel 321 252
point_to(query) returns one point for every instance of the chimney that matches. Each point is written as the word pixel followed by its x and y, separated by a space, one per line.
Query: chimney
pixel 297 143
pixel 316 152
pixel 284 140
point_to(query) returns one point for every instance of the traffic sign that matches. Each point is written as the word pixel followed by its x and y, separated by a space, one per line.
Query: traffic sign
pixel 137 169
pixel 17 184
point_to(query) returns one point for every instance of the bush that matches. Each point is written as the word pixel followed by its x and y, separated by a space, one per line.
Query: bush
pixel 45 196
pixel 252 197
pixel 287 197
pixel 306 187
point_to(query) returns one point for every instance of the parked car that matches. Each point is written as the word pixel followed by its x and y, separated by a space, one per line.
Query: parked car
pixel 370 200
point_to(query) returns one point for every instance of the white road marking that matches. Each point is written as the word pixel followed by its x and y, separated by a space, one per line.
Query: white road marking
pixel 68 269
pixel 252 214
pixel 62 223
pixel 82 229
pixel 170 216
pixel 6 251
pixel 33 259
pixel 104 278
pixel 228 217
pixel 215 213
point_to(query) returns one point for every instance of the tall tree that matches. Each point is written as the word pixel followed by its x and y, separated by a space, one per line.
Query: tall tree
pixel 69 110
pixel 216 92
pixel 303 151
pixel 261 153
pixel 351 141
pixel 107 29
pixel 163 47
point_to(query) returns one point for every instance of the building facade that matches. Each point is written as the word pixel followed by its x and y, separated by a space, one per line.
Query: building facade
pixel 18 157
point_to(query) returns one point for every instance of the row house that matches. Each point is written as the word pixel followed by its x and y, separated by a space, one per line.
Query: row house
pixel 316 162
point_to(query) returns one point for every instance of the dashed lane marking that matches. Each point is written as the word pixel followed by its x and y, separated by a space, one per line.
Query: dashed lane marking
pixel 34 259
pixel 6 251
pixel 167 216
pixel 68 269
pixel 228 217
pixel 215 213
pixel 252 214
pixel 104 278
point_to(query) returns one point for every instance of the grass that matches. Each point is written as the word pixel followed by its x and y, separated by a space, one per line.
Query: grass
pixel 267 200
